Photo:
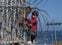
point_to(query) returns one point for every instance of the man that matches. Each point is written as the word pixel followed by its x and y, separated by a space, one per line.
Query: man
pixel 28 10
pixel 24 17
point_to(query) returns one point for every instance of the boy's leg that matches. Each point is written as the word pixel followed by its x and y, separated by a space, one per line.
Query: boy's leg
pixel 33 37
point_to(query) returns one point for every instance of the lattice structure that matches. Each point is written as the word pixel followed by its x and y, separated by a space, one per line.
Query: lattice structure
pixel 10 18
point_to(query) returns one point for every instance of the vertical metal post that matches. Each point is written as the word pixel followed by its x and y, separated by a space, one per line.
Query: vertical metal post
pixel 52 38
pixel 55 37
pixel 55 33
pixel 2 22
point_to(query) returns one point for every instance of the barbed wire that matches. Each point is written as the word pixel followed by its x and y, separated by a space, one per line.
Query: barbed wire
pixel 35 2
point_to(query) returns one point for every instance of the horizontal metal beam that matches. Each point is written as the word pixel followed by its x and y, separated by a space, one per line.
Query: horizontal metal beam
pixel 11 6
pixel 53 23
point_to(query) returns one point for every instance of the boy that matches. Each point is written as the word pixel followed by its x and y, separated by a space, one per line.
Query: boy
pixel 34 22
pixel 32 25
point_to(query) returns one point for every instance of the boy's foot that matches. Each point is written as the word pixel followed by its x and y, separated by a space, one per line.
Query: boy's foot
pixel 29 43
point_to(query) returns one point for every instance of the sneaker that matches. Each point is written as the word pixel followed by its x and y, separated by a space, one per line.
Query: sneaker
pixel 29 43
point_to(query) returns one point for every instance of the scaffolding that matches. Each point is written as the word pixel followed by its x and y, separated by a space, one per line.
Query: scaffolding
pixel 10 17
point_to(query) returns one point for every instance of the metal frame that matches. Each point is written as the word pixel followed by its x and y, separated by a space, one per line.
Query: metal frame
pixel 10 9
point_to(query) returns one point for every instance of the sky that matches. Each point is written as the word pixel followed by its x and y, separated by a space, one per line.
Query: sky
pixel 54 9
